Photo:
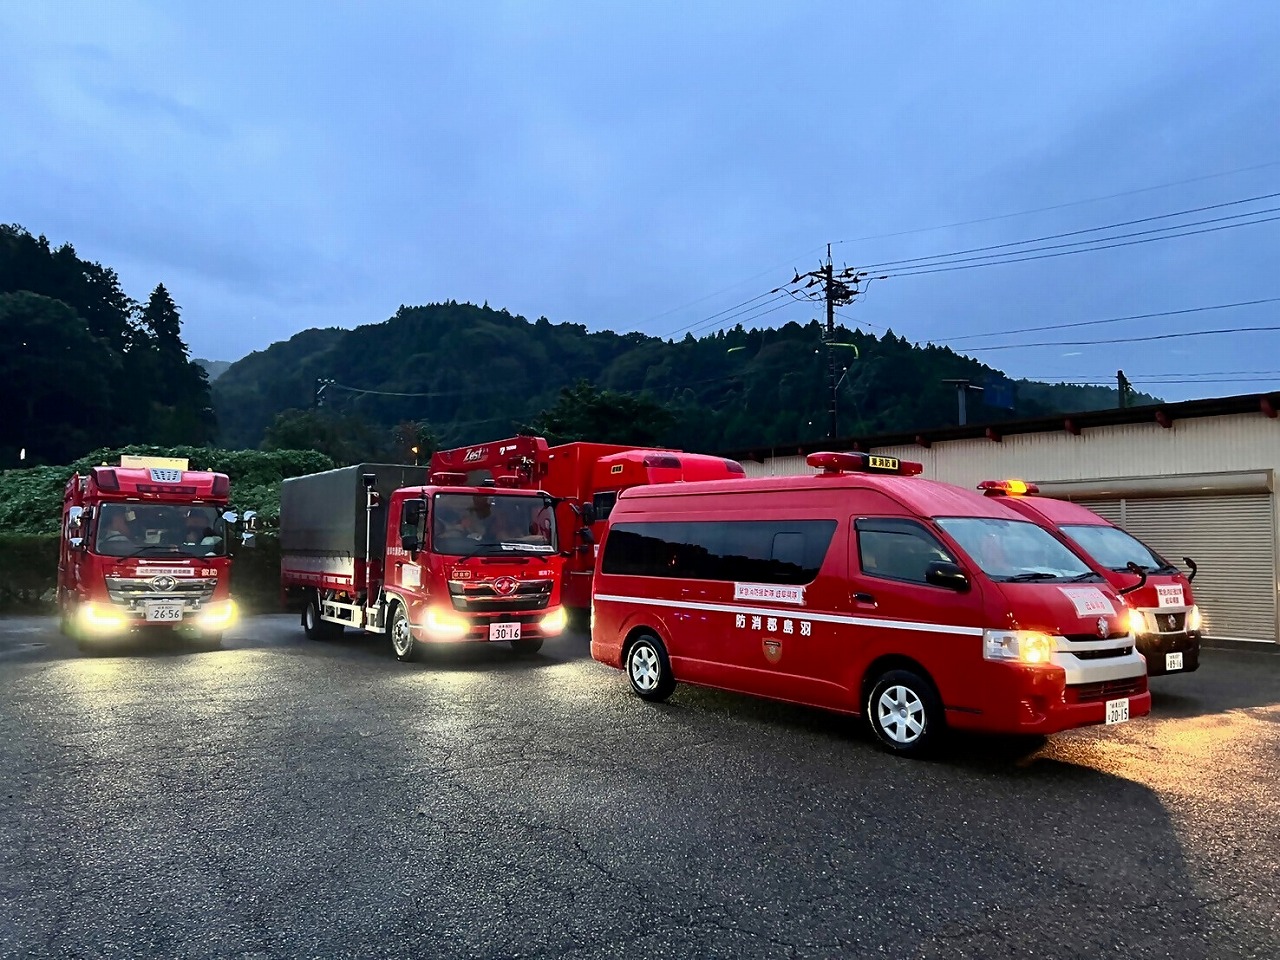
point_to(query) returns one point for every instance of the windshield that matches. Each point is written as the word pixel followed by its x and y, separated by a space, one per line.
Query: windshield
pixel 155 529
pixel 464 524
pixel 1114 549
pixel 1013 550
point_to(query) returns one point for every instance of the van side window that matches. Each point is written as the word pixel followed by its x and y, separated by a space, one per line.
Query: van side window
pixel 897 549
pixel 746 551
pixel 603 502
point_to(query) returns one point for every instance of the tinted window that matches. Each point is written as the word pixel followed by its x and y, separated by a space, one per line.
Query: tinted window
pixel 898 549
pixel 603 502
pixel 749 551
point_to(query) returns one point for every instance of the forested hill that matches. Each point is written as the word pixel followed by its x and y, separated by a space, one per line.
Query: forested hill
pixel 464 373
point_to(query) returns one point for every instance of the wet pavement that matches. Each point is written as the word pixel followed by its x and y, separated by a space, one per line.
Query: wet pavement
pixel 277 797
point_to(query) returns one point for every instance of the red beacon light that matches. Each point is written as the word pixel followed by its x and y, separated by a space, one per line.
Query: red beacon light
pixel 447 479
pixel 1007 488
pixel 834 464
pixel 508 480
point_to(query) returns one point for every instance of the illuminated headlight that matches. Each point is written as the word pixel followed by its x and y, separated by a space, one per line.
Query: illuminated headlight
pixel 1137 622
pixel 1194 621
pixel 554 622
pixel 1022 646
pixel 443 625
pixel 102 618
pixel 218 616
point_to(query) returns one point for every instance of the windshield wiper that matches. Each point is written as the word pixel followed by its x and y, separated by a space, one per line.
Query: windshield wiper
pixel 1081 577
pixel 1030 576
pixel 167 548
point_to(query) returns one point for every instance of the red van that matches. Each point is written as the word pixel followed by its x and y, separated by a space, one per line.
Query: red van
pixel 1163 614
pixel 868 590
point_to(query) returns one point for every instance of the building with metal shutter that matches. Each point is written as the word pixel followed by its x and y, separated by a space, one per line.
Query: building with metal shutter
pixel 1192 479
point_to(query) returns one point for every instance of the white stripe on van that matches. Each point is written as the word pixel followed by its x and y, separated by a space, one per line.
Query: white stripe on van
pixel 794 613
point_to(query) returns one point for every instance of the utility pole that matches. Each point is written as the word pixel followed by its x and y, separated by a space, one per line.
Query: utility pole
pixel 1124 387
pixel 838 288
pixel 962 397
pixel 318 398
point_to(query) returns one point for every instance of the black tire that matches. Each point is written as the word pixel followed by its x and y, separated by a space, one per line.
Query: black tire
pixel 649 669
pixel 905 713
pixel 403 645
pixel 313 626
pixel 526 648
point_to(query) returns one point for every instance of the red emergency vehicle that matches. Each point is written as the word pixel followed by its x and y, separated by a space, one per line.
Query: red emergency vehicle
pixel 863 589
pixel 144 548
pixel 1163 614
pixel 419 558
pixel 585 480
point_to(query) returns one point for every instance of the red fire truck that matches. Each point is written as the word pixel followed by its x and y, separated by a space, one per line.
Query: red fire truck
pixel 144 547
pixel 584 479
pixel 420 558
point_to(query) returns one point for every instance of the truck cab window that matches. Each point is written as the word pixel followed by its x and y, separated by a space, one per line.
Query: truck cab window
pixel 603 502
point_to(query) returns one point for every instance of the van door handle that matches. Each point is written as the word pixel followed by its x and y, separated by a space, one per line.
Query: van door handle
pixel 864 598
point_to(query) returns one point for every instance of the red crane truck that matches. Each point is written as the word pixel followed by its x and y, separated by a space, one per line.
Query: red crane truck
pixel 584 479
pixel 144 548
pixel 391 549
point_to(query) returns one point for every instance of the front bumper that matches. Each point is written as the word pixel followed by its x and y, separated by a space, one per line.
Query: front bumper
pixel 457 628
pixel 1157 646
pixel 100 619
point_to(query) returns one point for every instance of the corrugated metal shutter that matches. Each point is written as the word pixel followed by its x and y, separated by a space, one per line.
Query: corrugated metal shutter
pixel 1231 539
pixel 1109 510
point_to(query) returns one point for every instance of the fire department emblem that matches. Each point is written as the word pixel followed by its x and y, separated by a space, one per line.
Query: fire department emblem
pixel 505 586
pixel 163 584
pixel 1103 627
pixel 772 650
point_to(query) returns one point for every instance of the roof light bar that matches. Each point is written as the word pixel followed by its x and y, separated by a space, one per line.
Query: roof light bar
pixel 834 464
pixel 1011 488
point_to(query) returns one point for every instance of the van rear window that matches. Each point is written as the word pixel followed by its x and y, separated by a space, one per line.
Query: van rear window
pixel 749 551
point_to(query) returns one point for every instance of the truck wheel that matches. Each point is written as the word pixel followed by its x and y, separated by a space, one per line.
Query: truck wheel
pixel 905 713
pixel 402 643
pixel 313 626
pixel 649 669
pixel 527 648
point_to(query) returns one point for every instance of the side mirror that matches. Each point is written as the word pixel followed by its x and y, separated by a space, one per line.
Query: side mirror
pixel 586 536
pixel 75 518
pixel 942 573
pixel 588 513
pixel 410 543
pixel 250 520
pixel 77 543
pixel 1192 564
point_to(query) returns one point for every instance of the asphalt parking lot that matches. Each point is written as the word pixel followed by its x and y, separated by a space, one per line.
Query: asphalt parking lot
pixel 281 798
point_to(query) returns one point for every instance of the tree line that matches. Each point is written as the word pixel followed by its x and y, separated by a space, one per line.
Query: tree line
pixel 86 365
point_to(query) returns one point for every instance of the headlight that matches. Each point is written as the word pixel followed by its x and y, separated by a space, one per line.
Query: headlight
pixel 1194 620
pixel 102 618
pixel 217 616
pixel 443 625
pixel 555 621
pixel 1023 646
pixel 1137 622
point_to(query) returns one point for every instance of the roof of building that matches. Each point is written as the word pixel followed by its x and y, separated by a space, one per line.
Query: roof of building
pixel 1267 404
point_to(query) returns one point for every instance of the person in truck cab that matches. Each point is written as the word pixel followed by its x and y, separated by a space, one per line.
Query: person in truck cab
pixel 116 528
pixel 196 528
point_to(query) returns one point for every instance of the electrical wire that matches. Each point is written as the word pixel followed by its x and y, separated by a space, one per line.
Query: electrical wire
pixel 1148 339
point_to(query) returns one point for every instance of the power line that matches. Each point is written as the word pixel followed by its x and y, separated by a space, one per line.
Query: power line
pixel 1109 226
pixel 1091 249
pixel 1159 336
pixel 1090 323
pixel 1063 206
pixel 724 311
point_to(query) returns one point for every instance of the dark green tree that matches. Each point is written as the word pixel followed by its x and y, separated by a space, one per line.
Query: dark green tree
pixel 181 407
pixel 584 412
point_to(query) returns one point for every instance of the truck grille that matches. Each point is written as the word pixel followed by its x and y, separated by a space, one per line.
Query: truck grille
pixel 1170 622
pixel 484 597
pixel 190 591
pixel 1102 654
pixel 1105 690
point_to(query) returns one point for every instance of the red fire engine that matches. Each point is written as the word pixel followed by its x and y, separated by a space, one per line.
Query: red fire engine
pixel 144 547
pixel 584 479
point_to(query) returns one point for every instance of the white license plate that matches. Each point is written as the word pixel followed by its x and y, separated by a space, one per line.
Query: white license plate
pixel 1118 710
pixel 164 612
pixel 504 631
pixel 1173 661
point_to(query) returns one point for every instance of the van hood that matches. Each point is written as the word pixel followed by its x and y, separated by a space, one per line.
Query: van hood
pixel 1066 609
pixel 1161 591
